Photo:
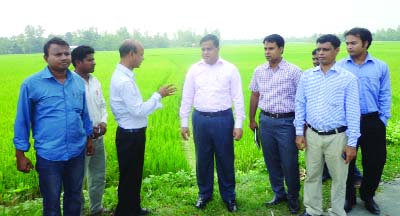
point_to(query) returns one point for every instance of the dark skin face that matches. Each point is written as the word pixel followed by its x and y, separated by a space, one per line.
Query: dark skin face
pixel 326 55
pixel 273 53
pixel 58 58
pixel 356 48
pixel 88 64
pixel 85 66
pixel 315 60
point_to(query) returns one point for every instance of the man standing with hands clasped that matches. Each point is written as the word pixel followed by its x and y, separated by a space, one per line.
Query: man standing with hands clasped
pixel 273 89
pixel 130 112
pixel 375 102
pixel 212 85
pixel 95 165
pixel 327 104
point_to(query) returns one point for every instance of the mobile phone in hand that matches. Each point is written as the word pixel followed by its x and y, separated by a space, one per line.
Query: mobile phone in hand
pixel 256 138
pixel 344 155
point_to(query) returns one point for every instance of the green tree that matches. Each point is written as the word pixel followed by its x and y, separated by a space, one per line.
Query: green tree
pixel 33 39
pixel 87 37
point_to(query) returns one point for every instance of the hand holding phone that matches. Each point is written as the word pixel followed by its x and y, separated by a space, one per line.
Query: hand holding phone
pixel 256 138
pixel 344 155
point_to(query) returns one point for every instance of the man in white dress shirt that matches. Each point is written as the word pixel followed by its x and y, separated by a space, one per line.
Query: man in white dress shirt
pixel 130 112
pixel 212 86
pixel 95 165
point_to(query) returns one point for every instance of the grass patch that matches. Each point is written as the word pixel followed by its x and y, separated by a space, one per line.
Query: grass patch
pixel 176 193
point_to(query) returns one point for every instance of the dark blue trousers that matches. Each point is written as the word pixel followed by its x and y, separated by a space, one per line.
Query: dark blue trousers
pixel 280 155
pixel 57 175
pixel 213 136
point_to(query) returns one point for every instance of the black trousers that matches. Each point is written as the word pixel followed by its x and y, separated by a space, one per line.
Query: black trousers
pixel 130 152
pixel 373 151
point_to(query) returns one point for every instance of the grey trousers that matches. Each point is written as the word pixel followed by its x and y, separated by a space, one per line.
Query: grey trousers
pixel 95 173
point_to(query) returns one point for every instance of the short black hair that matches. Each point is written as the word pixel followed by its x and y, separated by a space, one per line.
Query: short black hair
pixel 314 52
pixel 54 40
pixel 363 33
pixel 210 37
pixel 126 47
pixel 275 38
pixel 331 38
pixel 80 52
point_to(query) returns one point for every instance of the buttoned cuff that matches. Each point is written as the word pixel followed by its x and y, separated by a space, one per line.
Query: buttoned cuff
pixel 156 96
pixel 184 122
pixel 383 119
pixel 238 123
pixel 299 131
pixel 352 142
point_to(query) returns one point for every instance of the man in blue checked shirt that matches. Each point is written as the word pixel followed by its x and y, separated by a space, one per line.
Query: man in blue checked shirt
pixel 52 103
pixel 327 104
pixel 375 102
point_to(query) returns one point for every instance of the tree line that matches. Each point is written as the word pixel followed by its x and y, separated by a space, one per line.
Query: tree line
pixel 33 39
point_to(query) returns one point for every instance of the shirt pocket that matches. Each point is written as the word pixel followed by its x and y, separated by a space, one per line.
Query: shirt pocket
pixel 285 84
pixel 369 83
pixel 223 82
pixel 51 103
pixel 76 102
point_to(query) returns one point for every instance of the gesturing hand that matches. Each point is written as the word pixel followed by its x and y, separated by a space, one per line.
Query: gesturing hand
pixel 167 90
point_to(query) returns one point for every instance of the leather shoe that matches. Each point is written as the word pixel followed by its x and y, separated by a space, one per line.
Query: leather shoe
pixel 294 206
pixel 143 211
pixel 276 200
pixel 231 206
pixel 372 207
pixel 201 203
pixel 325 178
pixel 103 211
pixel 305 214
pixel 348 205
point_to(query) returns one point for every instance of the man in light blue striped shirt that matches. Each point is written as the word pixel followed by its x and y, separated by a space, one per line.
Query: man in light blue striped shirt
pixel 327 104
pixel 375 102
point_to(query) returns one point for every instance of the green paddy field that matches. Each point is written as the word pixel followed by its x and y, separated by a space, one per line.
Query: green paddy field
pixel 169 162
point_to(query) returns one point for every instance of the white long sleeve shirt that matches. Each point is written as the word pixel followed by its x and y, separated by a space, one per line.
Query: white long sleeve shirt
pixel 95 101
pixel 126 101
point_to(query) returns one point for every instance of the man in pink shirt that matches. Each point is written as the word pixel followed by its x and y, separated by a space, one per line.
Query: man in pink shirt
pixel 212 86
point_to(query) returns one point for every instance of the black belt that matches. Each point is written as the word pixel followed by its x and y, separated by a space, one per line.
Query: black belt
pixel 278 115
pixel 330 132
pixel 134 130
pixel 214 114
pixel 370 115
